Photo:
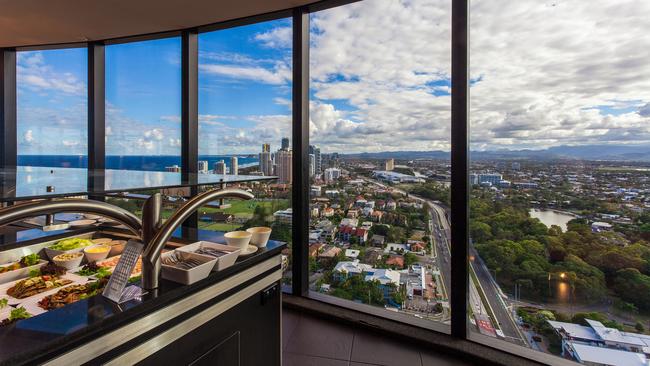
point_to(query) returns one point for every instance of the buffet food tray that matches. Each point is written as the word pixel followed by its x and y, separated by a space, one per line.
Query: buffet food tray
pixel 76 280
pixel 17 274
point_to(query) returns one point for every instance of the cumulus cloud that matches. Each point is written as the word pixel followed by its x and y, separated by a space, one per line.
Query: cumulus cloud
pixel 279 37
pixel 380 76
pixel 154 134
pixel 645 110
pixel 566 72
pixel 28 137
pixel 174 142
pixel 70 143
pixel 543 74
pixel 34 74
pixel 129 136
pixel 174 119
pixel 279 75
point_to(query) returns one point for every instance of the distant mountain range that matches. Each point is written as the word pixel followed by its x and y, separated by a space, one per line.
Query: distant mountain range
pixel 640 153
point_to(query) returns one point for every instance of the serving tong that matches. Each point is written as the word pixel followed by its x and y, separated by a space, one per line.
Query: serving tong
pixel 181 260
pixel 211 252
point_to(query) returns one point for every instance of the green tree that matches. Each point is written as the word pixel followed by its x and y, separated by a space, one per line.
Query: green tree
pixel 633 286
pixel 410 259
pixel 480 231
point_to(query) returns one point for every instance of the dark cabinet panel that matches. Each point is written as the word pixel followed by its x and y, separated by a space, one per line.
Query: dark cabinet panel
pixel 245 335
pixel 225 353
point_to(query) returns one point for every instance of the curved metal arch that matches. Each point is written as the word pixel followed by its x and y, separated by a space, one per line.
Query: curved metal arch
pixel 151 255
pixel 26 210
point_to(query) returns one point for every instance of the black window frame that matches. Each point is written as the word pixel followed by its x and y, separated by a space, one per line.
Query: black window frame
pixel 300 133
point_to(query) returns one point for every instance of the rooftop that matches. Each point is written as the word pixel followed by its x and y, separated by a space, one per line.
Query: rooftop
pixel 608 356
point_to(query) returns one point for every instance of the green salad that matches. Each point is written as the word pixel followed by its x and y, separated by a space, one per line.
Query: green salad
pixel 70 244
pixel 92 269
pixel 19 313
pixel 30 260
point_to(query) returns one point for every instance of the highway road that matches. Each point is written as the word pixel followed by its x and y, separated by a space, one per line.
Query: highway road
pixel 496 304
pixel 441 232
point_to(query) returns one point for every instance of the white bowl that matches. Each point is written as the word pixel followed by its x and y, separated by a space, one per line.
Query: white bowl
pixel 260 236
pixel 239 239
pixel 117 247
pixel 69 263
pixel 94 257
pixel 102 241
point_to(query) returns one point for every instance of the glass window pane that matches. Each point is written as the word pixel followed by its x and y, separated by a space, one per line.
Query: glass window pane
pixel 245 123
pixel 143 105
pixel 52 107
pixel 559 205
pixel 379 160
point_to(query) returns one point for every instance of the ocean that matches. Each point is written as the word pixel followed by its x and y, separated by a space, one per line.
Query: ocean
pixel 128 162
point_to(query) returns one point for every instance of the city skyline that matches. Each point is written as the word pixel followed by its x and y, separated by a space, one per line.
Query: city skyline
pixel 587 91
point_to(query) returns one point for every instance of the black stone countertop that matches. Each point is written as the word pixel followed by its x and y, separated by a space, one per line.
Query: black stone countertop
pixel 54 332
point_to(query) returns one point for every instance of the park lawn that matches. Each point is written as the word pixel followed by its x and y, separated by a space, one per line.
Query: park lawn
pixel 218 226
pixel 246 207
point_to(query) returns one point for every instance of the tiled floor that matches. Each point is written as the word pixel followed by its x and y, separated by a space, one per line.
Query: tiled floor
pixel 310 341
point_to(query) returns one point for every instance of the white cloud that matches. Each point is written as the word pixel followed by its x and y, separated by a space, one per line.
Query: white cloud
pixel 28 136
pixel 128 136
pixel 174 119
pixel 35 75
pixel 145 144
pixel 559 73
pixel 174 142
pixel 70 143
pixel 280 37
pixel 154 134
pixel 279 75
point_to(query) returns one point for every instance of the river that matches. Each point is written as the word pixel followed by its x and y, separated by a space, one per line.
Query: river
pixel 551 217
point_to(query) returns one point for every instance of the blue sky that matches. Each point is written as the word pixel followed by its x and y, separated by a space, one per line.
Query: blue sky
pixel 244 94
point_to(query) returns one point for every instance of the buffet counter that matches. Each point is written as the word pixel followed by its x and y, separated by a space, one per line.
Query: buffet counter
pixel 231 317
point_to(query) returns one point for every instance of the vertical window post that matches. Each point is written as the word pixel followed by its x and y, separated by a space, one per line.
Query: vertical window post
pixel 8 134
pixel 190 119
pixel 300 134
pixel 96 118
pixel 459 166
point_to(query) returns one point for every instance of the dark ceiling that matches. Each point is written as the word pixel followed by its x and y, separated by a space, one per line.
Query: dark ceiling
pixel 43 22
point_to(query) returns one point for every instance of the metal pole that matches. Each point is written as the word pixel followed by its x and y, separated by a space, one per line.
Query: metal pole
pixel 96 119
pixel 300 134
pixel 190 122
pixel 459 167
pixel 8 134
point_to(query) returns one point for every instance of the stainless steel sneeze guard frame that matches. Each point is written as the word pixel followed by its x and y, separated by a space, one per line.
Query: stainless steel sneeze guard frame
pixel 153 248
pixel 101 345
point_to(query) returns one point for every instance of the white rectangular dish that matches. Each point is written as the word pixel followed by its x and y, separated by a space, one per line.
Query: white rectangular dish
pixel 187 276
pixel 76 279
pixel 223 261
pixel 19 273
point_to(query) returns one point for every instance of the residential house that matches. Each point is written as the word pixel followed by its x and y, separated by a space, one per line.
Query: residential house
pixel 329 252
pixel 377 241
pixel 314 249
pixel 395 261
pixel 376 216
pixel 373 256
pixel 388 280
pixel 344 269
pixel 352 253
